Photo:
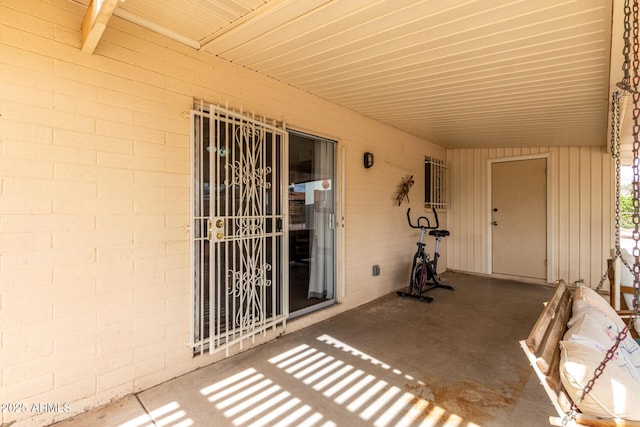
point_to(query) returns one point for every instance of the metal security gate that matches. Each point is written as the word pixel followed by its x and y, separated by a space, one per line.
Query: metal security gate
pixel 238 248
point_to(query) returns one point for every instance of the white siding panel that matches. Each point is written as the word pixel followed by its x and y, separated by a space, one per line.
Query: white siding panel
pixel 573 235
pixel 597 213
pixel 479 237
pixel 580 204
pixel 585 213
pixel 469 211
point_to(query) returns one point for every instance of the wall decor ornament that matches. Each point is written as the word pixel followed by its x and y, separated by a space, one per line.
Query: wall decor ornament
pixel 403 189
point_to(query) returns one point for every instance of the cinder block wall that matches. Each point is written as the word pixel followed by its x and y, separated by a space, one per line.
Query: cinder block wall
pixel 94 180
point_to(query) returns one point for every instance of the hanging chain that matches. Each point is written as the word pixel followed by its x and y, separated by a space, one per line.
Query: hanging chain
pixel 625 83
pixel 635 85
pixel 629 84
pixel 622 335
pixel 615 150
pixel 615 153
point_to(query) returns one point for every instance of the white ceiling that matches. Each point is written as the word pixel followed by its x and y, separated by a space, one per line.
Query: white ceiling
pixel 460 73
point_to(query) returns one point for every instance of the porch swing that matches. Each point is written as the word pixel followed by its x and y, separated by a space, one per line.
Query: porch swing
pixel 580 347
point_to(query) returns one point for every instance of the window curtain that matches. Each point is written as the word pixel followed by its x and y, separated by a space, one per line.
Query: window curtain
pixel 321 280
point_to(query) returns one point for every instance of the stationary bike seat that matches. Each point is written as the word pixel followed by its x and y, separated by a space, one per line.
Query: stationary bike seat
pixel 439 233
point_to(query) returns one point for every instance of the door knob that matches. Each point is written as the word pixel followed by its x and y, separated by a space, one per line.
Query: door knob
pixel 494 223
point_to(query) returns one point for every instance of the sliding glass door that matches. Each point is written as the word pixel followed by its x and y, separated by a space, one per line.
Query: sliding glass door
pixel 312 219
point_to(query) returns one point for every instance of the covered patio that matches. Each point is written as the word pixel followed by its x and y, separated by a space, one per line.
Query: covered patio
pixel 392 362
pixel 164 165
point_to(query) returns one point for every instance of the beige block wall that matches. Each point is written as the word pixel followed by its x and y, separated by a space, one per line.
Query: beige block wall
pixel 582 210
pixel 94 198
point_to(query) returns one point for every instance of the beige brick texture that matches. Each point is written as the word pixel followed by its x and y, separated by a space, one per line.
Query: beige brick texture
pixel 94 201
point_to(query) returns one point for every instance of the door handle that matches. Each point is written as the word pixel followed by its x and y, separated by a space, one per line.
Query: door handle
pixel 215 229
pixel 494 223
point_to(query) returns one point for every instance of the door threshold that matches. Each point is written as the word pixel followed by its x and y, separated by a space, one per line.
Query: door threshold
pixel 312 308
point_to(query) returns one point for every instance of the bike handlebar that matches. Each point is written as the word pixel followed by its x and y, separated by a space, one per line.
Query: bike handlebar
pixel 424 218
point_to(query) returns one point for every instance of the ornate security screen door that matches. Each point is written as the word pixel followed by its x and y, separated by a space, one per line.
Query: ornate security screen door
pixel 238 248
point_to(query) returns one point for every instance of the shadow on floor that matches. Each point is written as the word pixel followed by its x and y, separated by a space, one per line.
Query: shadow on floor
pixel 392 362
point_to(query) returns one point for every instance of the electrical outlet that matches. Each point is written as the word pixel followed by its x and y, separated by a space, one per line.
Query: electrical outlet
pixel 376 270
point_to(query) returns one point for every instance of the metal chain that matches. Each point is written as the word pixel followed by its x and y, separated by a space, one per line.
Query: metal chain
pixel 617 96
pixel 626 79
pixel 615 153
pixel 629 84
pixel 635 85
pixel 569 416
pixel 622 335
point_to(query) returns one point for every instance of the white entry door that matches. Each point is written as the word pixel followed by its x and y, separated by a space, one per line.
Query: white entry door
pixel 238 215
pixel 519 218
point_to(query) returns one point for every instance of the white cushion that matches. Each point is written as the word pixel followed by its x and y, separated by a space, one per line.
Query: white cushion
pixel 614 394
pixel 586 300
pixel 585 293
pixel 590 328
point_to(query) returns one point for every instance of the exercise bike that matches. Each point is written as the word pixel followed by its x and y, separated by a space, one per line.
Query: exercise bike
pixel 424 271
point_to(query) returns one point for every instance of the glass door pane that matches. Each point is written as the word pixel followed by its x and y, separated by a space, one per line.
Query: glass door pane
pixel 312 237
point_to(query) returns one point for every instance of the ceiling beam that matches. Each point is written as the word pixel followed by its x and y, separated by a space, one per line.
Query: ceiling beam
pixel 95 21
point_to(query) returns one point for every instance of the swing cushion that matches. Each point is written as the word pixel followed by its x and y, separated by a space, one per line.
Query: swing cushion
pixel 614 394
pixel 588 295
pixel 590 328
pixel 595 302
pixel 592 331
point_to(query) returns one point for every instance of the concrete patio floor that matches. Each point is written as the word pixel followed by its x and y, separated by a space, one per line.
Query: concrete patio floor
pixel 455 362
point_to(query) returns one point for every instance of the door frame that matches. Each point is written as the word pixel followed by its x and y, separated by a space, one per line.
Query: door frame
pixel 338 221
pixel 214 230
pixel 489 231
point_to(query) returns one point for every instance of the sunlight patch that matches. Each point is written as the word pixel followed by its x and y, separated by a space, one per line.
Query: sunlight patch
pixel 250 398
pixel 347 348
pixel 390 398
pixel 170 414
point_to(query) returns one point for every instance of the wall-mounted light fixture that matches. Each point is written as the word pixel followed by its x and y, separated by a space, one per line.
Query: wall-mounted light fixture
pixel 368 160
